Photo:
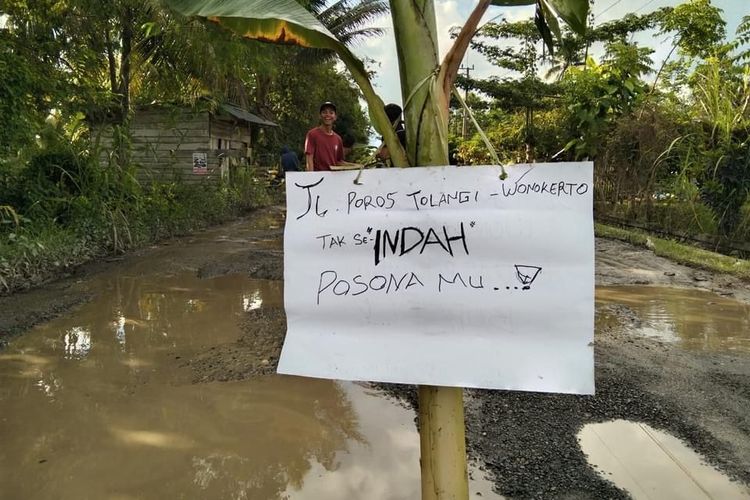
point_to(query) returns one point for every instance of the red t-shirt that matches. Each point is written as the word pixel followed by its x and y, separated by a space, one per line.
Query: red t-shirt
pixel 325 149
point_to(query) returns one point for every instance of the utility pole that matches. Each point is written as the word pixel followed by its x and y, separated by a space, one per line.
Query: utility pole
pixel 467 70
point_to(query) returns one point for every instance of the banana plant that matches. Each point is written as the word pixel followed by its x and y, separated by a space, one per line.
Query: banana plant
pixel 426 82
pixel 426 85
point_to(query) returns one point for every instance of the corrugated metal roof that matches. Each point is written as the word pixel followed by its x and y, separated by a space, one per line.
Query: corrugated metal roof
pixel 247 116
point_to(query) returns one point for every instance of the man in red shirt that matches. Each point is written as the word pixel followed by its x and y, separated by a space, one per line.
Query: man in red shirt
pixel 324 147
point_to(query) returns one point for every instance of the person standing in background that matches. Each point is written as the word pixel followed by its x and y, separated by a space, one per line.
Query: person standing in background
pixel 393 111
pixel 324 147
pixel 289 160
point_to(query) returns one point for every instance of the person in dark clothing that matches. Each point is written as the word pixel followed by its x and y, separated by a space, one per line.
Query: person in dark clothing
pixel 394 115
pixel 289 160
pixel 348 140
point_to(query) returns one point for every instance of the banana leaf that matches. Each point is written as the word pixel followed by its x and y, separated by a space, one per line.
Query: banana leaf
pixel 573 12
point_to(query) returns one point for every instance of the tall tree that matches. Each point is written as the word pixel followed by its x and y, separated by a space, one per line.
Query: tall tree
pixel 522 88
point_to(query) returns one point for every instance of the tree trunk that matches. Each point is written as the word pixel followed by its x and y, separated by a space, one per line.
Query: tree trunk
pixel 441 412
pixel 112 64
pixel 127 48
pixel 425 105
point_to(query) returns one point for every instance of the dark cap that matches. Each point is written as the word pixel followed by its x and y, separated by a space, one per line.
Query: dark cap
pixel 393 111
pixel 327 104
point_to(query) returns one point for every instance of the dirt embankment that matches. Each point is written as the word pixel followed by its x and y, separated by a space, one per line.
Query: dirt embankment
pixel 526 440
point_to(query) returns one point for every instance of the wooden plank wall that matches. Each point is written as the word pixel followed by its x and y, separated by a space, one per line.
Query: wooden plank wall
pixel 163 142
pixel 233 134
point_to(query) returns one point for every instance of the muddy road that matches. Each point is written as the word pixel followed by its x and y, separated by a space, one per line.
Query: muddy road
pixel 152 376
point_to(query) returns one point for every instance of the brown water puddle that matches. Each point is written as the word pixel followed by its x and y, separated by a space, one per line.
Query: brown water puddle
pixel 650 464
pixel 98 404
pixel 695 319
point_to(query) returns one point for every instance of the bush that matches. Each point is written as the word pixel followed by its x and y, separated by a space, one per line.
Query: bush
pixel 64 209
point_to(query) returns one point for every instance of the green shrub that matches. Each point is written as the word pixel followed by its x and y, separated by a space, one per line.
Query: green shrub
pixel 70 210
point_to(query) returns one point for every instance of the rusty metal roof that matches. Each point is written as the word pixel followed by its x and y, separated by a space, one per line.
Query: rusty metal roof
pixel 247 116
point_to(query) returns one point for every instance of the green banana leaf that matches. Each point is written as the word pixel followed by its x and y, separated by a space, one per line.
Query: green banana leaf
pixel 573 12
pixel 275 21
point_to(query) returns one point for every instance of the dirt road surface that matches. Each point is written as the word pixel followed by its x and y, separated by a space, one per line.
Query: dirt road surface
pixel 526 441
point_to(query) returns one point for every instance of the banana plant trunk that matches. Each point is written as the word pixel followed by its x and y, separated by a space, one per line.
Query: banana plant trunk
pixel 441 411
pixel 425 106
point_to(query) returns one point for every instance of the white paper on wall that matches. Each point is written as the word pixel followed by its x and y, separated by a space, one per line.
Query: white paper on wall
pixel 442 276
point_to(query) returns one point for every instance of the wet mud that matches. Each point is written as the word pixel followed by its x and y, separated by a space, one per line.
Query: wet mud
pixel 259 264
pixel 527 443
pixel 254 354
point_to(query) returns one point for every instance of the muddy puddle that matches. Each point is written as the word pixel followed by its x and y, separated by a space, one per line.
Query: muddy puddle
pixel 98 404
pixel 651 464
pixel 102 403
pixel 694 319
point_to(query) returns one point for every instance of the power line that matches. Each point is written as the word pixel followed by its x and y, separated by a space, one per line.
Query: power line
pixel 467 69
pixel 488 22
pixel 644 5
pixel 605 10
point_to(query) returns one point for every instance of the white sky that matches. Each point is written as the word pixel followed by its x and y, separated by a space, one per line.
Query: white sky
pixel 454 12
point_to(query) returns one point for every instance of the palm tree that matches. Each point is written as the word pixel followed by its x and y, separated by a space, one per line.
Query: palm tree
pixel 348 20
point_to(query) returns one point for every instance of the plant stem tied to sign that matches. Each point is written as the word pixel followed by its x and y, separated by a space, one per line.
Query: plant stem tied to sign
pixel 443 443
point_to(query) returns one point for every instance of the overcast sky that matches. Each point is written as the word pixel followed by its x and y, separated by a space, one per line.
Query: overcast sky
pixel 453 13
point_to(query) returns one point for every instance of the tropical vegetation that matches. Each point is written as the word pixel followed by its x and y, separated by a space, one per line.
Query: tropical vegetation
pixel 68 64
pixel 670 143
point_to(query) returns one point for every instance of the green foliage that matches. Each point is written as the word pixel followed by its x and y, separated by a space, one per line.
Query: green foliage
pixel 522 58
pixel 98 223
pixel 19 87
pixel 506 132
pixel 698 26
pixel 678 252
pixel 61 207
pixel 598 94
pixel 672 156
pixel 299 111
pixel 595 95
pixel 349 21
pixel 723 96
pixel 742 42
pixel 633 164
pixel 572 12
pixel 73 62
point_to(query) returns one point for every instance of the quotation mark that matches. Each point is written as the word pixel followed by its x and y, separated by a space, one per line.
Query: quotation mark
pixel 472 223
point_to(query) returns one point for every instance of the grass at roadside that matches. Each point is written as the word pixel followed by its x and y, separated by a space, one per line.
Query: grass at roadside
pixel 678 252
pixel 36 251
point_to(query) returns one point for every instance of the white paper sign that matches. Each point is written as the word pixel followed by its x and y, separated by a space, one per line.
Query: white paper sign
pixel 442 276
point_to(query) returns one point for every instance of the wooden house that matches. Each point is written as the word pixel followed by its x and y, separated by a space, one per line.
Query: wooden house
pixel 190 145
